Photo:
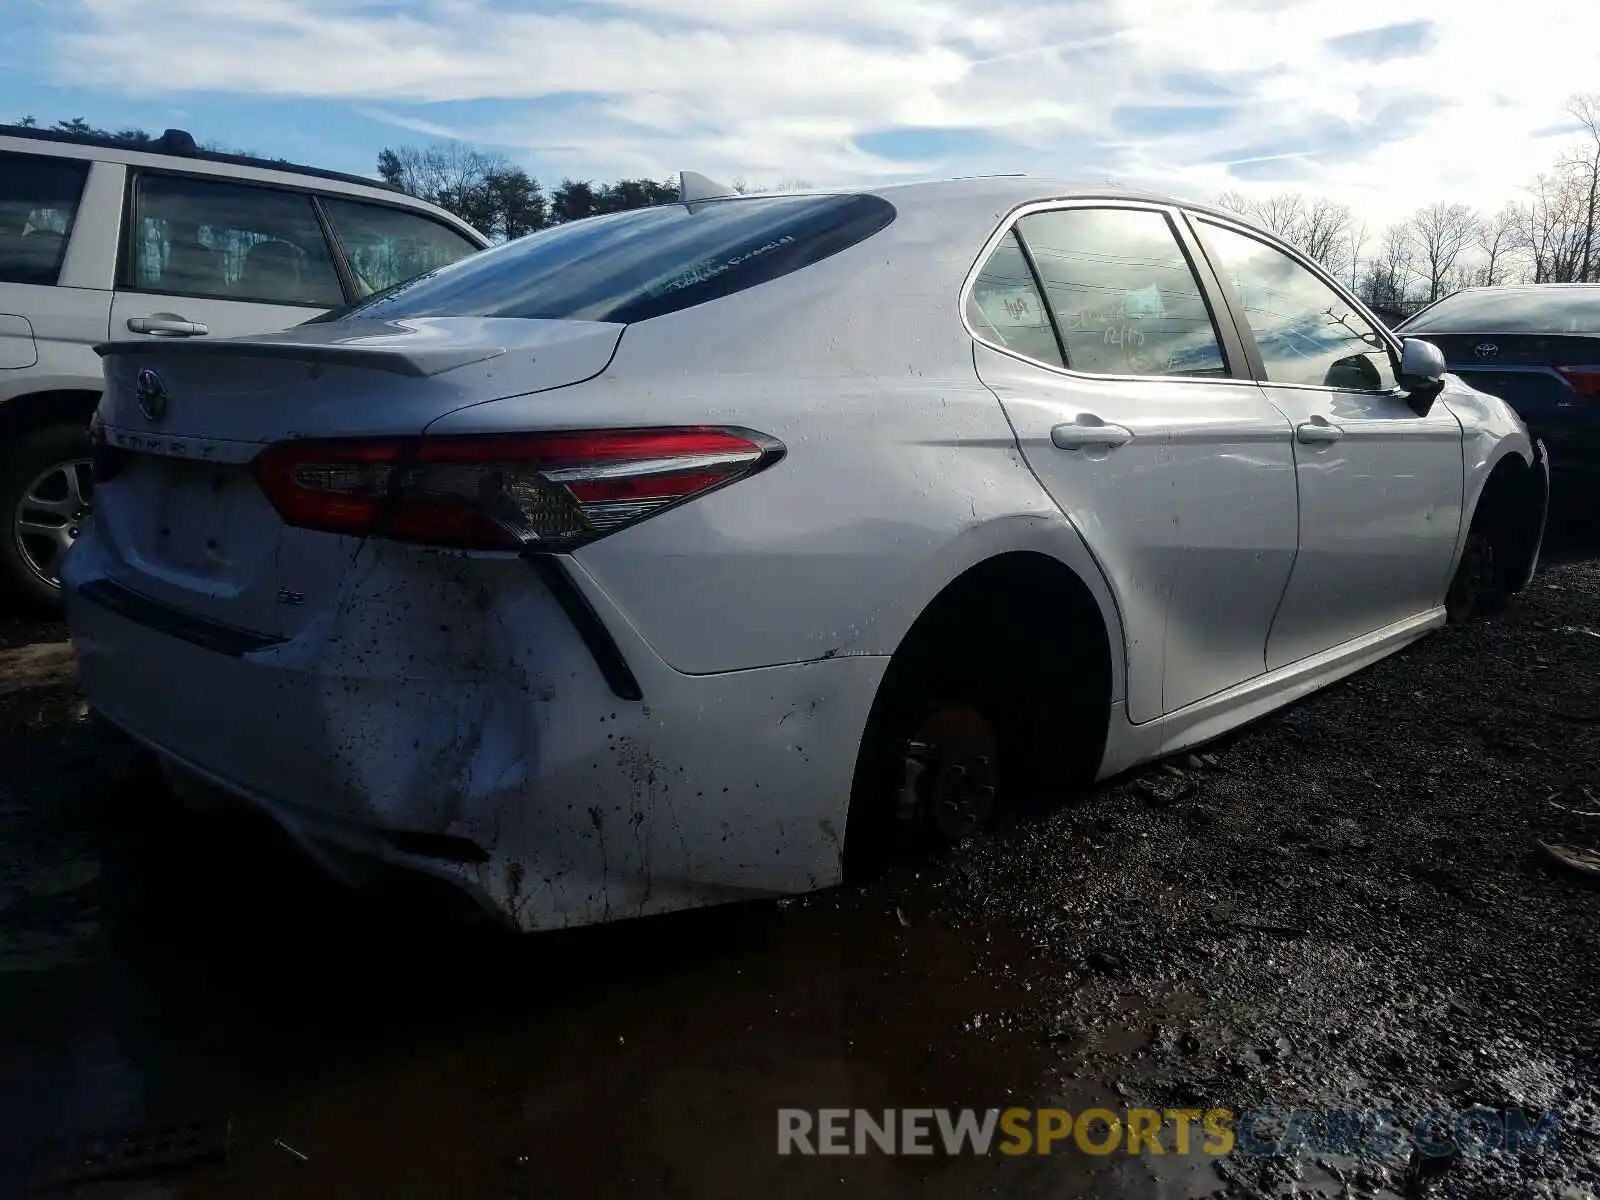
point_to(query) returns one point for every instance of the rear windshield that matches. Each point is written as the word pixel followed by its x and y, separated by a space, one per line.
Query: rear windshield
pixel 635 265
pixel 1528 310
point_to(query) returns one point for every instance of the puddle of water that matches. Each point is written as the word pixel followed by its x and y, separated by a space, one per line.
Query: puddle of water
pixel 669 1082
pixel 401 1057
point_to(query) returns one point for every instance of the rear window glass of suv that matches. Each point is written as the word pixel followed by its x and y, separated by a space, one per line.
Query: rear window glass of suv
pixel 387 246
pixel 1547 309
pixel 38 201
pixel 644 263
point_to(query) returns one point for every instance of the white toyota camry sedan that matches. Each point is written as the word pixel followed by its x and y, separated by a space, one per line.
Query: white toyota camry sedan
pixel 701 552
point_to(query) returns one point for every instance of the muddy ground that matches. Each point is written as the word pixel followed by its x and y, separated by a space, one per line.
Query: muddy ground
pixel 1338 909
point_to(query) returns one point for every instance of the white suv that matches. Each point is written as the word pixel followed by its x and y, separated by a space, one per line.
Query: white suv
pixel 100 241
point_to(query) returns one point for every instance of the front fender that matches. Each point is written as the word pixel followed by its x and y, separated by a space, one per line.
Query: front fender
pixel 1492 434
pixel 1490 429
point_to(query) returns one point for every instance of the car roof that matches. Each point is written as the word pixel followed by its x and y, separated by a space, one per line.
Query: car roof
pixel 175 151
pixel 1502 288
pixel 177 143
pixel 1509 308
pixel 985 193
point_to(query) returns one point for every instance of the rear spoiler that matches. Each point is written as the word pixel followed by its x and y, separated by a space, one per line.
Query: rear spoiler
pixel 419 363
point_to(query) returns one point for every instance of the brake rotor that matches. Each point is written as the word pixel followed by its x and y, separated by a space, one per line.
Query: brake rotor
pixel 956 748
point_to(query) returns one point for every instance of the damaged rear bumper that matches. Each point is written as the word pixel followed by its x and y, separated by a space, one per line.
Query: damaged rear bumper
pixel 449 716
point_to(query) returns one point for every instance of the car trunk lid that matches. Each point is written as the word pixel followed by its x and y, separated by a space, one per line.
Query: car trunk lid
pixel 1534 373
pixel 178 509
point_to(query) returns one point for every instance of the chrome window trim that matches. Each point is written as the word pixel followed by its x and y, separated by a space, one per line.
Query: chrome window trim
pixel 1172 213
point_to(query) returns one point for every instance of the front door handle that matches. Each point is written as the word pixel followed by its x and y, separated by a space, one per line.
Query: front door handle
pixel 167 325
pixel 1317 431
pixel 1089 431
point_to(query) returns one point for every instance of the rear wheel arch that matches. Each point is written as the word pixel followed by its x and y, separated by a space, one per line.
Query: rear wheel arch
pixel 25 414
pixel 38 431
pixel 1022 636
pixel 1021 587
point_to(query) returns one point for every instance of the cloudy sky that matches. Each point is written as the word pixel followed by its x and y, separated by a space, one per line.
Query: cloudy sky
pixel 1386 105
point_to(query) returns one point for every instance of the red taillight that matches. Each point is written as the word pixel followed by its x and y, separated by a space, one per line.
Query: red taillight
pixel 550 491
pixel 1584 380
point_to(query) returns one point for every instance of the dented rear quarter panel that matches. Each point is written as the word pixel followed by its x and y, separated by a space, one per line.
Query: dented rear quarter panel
pixel 445 694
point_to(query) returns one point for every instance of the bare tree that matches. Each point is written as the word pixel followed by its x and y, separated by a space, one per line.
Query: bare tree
pixel 1396 259
pixel 1324 232
pixel 1386 283
pixel 1355 242
pixel 1559 230
pixel 1283 214
pixel 1583 166
pixel 1317 227
pixel 1551 233
pixel 445 168
pixel 1497 241
pixel 1463 275
pixel 1440 233
pixel 1236 202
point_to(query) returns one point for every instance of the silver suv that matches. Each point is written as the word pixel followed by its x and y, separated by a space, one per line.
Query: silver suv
pixel 101 240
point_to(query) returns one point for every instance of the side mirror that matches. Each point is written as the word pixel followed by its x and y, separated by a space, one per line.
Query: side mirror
pixel 1422 372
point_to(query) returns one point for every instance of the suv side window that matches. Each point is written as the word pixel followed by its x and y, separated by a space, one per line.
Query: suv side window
pixel 1308 333
pixel 1004 305
pixel 229 241
pixel 39 198
pixel 387 246
pixel 1122 292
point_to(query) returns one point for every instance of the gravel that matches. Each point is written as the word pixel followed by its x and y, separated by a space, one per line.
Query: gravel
pixel 1343 907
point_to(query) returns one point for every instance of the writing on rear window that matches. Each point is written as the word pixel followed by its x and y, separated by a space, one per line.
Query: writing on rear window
pixel 708 271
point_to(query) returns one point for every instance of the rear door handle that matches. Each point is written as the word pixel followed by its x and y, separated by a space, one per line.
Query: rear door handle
pixel 1087 431
pixel 167 325
pixel 1318 430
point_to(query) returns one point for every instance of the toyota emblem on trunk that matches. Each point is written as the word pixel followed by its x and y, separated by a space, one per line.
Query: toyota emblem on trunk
pixel 1486 349
pixel 151 392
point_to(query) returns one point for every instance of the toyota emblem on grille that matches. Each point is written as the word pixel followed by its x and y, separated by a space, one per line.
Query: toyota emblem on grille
pixel 1486 349
pixel 151 393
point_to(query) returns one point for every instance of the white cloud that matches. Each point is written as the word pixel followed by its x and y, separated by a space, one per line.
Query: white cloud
pixel 767 88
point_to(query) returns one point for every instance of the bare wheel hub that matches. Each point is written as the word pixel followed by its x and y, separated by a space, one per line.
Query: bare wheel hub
pixel 950 772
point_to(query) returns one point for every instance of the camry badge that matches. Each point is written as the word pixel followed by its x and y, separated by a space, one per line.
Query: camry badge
pixel 151 393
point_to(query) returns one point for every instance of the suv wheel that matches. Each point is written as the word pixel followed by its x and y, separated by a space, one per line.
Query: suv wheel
pixel 45 493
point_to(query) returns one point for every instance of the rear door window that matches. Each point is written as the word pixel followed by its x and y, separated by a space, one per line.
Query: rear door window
pixel 1004 306
pixel 229 241
pixel 644 263
pixel 386 246
pixel 1123 293
pixel 39 198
